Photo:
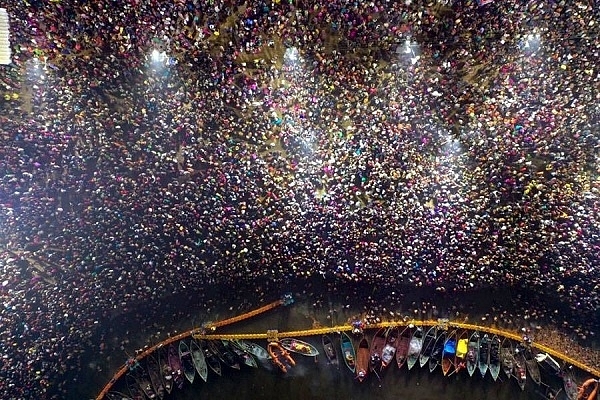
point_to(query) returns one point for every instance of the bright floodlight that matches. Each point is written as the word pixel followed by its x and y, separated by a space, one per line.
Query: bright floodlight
pixel 291 54
pixel 407 48
pixel 155 55
pixel 531 42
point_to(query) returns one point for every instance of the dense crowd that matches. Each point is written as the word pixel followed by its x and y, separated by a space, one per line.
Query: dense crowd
pixel 150 146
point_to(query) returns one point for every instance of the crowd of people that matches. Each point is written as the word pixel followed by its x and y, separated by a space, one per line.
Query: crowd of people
pixel 150 146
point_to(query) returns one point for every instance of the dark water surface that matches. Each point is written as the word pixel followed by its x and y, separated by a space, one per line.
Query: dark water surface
pixel 309 379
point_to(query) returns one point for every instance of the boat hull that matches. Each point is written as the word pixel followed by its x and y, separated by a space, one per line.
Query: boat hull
pixel 299 347
pixel 348 352
pixel 329 349
pixel 199 360
pixel 363 355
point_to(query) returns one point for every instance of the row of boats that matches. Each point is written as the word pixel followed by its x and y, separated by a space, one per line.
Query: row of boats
pixel 169 367
pixel 453 350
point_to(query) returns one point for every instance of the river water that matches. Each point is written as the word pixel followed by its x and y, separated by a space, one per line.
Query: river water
pixel 309 379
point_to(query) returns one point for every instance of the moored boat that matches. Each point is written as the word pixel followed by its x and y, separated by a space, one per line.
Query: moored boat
pixel 507 357
pixel 449 353
pixel 348 352
pixel 363 356
pixel 135 392
pixel 484 354
pixel 245 357
pixel 473 353
pixel 329 349
pixel 462 347
pixel 414 347
pixel 570 386
pixel 176 367
pixel 256 350
pixel 494 363
pixel 376 349
pixel 389 350
pixel 299 346
pixel 155 376
pixel 212 361
pixel 142 379
pixel 428 342
pixel 185 355
pixel 199 360
pixel 403 344
pixel 435 357
pixel 165 369
pixel 223 353
pixel 532 366
pixel 520 370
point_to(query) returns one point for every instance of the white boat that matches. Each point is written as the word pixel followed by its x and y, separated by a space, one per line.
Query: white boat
pixel 473 353
pixel 199 360
pixel 414 347
pixel 428 342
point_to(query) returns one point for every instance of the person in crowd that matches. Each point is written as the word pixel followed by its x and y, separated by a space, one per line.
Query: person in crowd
pixel 150 146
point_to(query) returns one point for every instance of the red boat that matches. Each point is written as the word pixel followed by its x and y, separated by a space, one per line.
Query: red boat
pixel 377 345
pixel 362 360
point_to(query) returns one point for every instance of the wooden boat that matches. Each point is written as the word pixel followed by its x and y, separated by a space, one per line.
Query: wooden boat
pixel 532 366
pixel 242 355
pixel 363 356
pixel 299 346
pixel 462 348
pixel 376 349
pixel 329 349
pixel 155 376
pixel 494 363
pixel 570 386
pixel 165 369
pixel 142 379
pixel 212 361
pixel 414 347
pixel 135 391
pixel 389 350
pixel 199 360
pixel 507 358
pixel 520 370
pixel 484 354
pixel 473 353
pixel 224 354
pixel 403 345
pixel 449 353
pixel 348 352
pixel 280 357
pixel 114 395
pixel 256 350
pixel 428 342
pixel 435 357
pixel 185 355
pixel 176 367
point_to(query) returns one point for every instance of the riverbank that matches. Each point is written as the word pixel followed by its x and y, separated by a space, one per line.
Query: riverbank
pixel 316 302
